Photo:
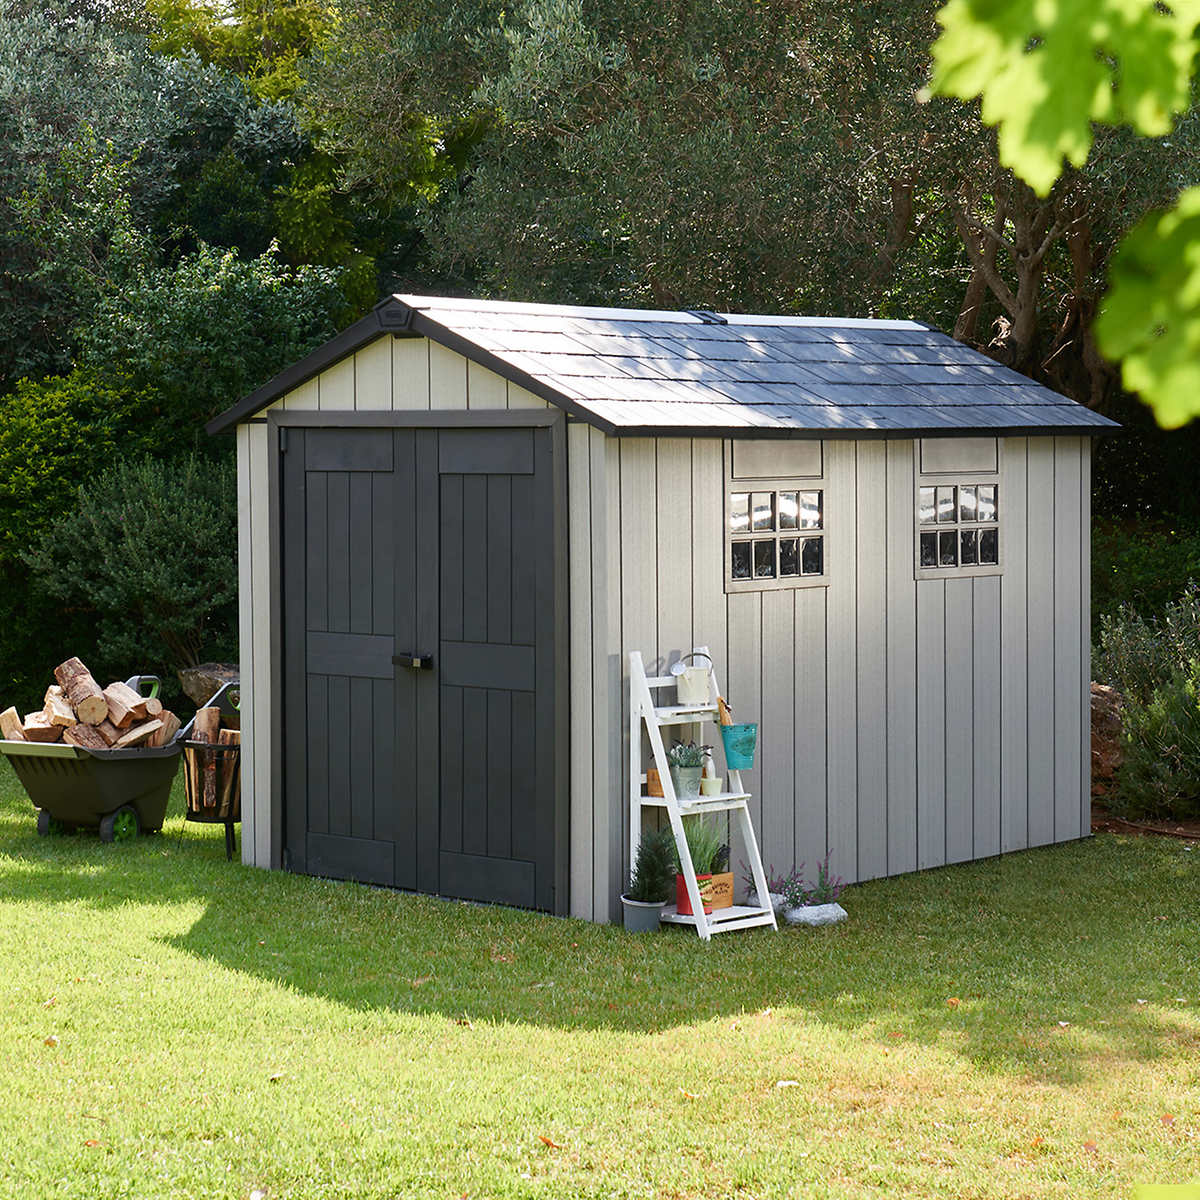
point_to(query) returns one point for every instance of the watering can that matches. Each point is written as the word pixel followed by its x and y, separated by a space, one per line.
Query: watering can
pixel 691 683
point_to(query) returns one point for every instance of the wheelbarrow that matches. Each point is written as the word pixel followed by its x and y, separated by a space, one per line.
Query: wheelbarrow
pixel 120 792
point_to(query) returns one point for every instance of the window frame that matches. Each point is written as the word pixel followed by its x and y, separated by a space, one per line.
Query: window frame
pixel 959 479
pixel 776 483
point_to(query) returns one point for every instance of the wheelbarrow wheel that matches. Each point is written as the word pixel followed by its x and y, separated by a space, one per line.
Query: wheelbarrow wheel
pixel 48 826
pixel 119 826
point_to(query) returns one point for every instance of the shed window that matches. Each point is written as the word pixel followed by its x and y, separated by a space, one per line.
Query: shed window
pixel 774 534
pixel 958 527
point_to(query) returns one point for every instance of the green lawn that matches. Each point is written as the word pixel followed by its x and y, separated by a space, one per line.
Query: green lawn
pixel 1025 1027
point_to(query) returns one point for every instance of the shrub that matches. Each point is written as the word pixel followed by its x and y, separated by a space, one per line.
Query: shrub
pixel 1137 654
pixel 1160 774
pixel 654 868
pixel 1141 565
pixel 148 548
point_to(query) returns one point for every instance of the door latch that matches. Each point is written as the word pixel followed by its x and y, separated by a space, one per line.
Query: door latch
pixel 414 662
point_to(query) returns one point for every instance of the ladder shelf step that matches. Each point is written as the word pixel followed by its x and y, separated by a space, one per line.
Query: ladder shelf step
pixel 737 916
pixel 722 801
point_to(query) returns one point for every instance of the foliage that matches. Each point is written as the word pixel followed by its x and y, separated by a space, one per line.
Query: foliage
pixel 793 888
pixel 1045 72
pixel 261 41
pixel 1159 775
pixel 686 754
pixel 1141 565
pixel 826 888
pixel 653 873
pixel 1139 654
pixel 703 842
pixel 147 550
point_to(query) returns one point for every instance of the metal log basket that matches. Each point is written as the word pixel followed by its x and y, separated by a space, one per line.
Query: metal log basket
pixel 221 802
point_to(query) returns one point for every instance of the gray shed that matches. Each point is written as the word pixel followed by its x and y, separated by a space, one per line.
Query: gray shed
pixel 459 517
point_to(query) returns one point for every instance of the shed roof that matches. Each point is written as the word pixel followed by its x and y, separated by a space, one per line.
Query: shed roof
pixel 646 373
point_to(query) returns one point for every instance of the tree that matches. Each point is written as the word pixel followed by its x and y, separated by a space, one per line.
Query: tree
pixel 1048 76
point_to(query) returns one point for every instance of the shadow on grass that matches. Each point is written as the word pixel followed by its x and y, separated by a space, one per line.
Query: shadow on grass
pixel 983 961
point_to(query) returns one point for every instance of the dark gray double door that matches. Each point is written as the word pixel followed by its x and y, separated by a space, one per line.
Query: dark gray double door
pixel 420 706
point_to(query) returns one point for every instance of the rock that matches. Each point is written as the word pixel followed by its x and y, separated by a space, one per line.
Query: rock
pixel 203 682
pixel 1107 752
pixel 816 914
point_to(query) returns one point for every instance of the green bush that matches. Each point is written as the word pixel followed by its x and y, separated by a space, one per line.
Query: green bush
pixel 1160 774
pixel 1142 565
pixel 1139 654
pixel 148 548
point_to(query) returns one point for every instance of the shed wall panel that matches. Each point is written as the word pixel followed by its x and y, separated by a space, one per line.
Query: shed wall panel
pixel 373 376
pixel 1068 666
pixel 1040 613
pixel 931 723
pixel 810 798
pixel 957 686
pixel 336 386
pixel 246 619
pixel 410 373
pixel 1014 665
pixel 985 716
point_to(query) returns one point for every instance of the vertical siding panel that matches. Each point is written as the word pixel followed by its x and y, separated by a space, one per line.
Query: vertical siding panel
pixel 708 549
pixel 336 386
pixel 1014 759
pixel 485 389
pixel 1085 635
pixel 1040 640
pixel 306 396
pixel 870 516
pixel 986 716
pixel 1068 665
pixel 609 717
pixel 673 520
pixel 901 636
pixel 777 727
pixel 373 376
pixel 842 675
pixel 447 378
pixel 410 373
pixel 251 796
pixel 519 397
pixel 959 672
pixel 579 533
pixel 743 690
pixel 810 733
pixel 931 723
pixel 262 698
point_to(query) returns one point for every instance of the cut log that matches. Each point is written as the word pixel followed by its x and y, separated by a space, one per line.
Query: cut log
pixel 229 799
pixel 137 734
pixel 10 726
pixel 108 731
pixel 87 736
pixel 206 728
pixel 37 728
pixel 154 706
pixel 170 727
pixel 57 707
pixel 82 691
pixel 125 706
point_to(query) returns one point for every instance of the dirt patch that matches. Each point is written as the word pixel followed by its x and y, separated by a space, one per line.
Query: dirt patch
pixel 1104 822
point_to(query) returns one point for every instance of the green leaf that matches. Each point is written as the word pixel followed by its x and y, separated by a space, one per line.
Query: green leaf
pixel 1151 316
pixel 1046 69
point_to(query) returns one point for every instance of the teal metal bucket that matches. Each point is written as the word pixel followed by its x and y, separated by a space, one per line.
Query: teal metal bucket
pixel 740 741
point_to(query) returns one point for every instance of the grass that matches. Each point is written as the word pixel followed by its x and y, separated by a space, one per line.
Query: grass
pixel 1023 1027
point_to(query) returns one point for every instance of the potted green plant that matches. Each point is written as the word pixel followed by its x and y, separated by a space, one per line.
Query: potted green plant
pixel 707 851
pixel 650 881
pixel 686 761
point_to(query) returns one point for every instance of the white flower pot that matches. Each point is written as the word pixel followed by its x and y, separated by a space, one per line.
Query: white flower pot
pixel 815 914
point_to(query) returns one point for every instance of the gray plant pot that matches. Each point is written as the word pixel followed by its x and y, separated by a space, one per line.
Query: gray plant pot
pixel 816 914
pixel 687 782
pixel 640 916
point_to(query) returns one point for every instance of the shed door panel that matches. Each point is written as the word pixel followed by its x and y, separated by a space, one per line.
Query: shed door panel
pixel 435 543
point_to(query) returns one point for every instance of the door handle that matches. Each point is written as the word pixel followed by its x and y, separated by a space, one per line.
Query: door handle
pixel 414 662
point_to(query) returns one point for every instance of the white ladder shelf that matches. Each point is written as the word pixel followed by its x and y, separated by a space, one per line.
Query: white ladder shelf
pixel 735 802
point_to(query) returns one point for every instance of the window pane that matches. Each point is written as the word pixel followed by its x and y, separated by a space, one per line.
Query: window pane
pixel 812 556
pixel 947 509
pixel 967 504
pixel 929 549
pixel 988 546
pixel 788 510
pixel 764 559
pixel 789 556
pixel 810 510
pixel 740 560
pixel 987 502
pixel 764 510
pixel 925 509
pixel 947 548
pixel 969 547
pixel 739 512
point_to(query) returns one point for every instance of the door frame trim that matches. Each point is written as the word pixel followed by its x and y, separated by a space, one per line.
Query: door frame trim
pixel 555 421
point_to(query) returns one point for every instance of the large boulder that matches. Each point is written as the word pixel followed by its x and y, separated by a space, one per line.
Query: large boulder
pixel 1106 737
pixel 201 683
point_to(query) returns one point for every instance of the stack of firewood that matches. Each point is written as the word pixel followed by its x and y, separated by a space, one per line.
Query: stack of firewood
pixel 79 711
pixel 212 779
